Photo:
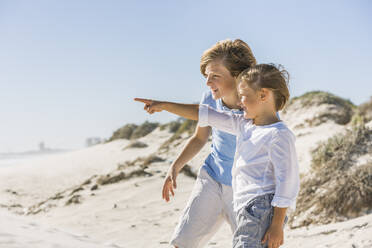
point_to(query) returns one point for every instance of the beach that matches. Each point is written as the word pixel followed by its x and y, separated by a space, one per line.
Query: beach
pixel 109 195
pixel 128 213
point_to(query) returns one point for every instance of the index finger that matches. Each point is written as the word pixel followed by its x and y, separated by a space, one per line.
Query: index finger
pixel 146 101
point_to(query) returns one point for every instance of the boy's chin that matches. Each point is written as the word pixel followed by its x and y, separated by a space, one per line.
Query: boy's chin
pixel 216 95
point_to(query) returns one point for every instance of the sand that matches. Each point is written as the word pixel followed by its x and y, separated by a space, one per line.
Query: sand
pixel 128 213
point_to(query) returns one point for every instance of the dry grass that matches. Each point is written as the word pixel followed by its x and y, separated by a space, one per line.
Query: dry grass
pixel 336 188
pixel 119 176
pixel 187 126
pixel 365 110
pixel 321 97
pixel 172 126
pixel 136 144
pixel 142 162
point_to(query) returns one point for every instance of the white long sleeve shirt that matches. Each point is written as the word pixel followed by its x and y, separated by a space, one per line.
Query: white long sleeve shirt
pixel 265 159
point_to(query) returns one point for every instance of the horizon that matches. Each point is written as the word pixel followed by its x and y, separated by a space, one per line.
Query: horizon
pixel 69 70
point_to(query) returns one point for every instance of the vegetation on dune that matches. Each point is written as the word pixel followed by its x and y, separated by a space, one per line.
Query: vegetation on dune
pixel 142 162
pixel 120 176
pixel 152 159
pixel 365 110
pixel 340 110
pixel 186 126
pixel 133 131
pixel 124 132
pixel 172 126
pixel 321 97
pixel 136 144
pixel 144 129
pixel 337 187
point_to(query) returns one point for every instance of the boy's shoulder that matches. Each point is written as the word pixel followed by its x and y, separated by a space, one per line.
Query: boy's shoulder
pixel 281 130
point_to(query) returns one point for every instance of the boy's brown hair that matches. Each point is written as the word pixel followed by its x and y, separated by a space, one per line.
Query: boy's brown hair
pixel 268 76
pixel 235 55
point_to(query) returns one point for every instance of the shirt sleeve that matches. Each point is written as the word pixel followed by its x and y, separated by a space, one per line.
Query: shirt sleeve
pixel 224 121
pixel 284 159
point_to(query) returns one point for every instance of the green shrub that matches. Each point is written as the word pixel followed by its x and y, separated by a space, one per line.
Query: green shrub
pixel 172 126
pixel 124 132
pixel 186 125
pixel 133 131
pixel 144 129
pixel 365 110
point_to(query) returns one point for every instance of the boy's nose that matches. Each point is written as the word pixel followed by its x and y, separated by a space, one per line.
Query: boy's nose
pixel 208 81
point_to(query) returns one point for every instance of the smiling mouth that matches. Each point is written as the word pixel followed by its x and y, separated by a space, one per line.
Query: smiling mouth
pixel 214 90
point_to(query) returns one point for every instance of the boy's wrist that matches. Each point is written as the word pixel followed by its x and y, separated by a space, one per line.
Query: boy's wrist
pixel 279 216
pixel 176 166
pixel 277 223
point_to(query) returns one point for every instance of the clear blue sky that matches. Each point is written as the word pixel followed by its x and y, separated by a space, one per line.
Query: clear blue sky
pixel 70 69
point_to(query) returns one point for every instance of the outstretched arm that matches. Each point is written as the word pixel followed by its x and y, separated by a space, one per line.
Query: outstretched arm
pixel 224 121
pixel 188 111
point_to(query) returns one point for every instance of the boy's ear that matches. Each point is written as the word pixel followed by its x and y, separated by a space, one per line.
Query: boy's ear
pixel 263 94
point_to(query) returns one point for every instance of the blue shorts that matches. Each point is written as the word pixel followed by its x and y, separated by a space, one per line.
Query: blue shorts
pixel 253 220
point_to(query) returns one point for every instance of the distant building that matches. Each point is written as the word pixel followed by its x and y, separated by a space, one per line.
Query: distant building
pixel 93 141
pixel 42 146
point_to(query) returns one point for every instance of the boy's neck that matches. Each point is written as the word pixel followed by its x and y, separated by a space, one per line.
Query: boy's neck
pixel 266 119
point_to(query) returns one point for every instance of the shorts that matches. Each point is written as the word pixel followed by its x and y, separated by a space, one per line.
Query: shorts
pixel 209 204
pixel 253 220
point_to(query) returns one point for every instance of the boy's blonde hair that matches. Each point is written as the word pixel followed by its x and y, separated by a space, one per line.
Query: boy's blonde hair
pixel 235 55
pixel 268 76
